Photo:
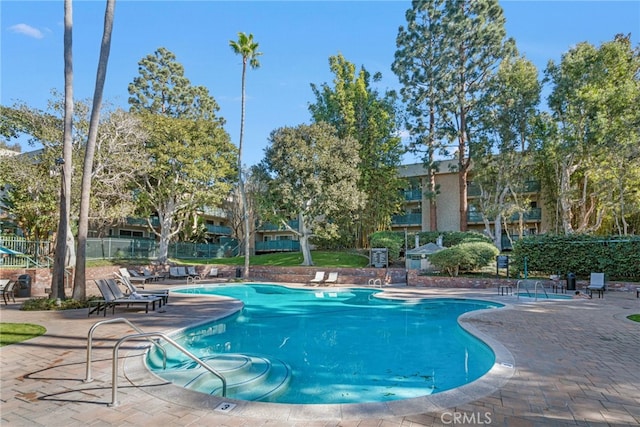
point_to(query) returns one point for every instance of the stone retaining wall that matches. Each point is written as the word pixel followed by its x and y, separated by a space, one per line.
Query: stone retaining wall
pixel 41 277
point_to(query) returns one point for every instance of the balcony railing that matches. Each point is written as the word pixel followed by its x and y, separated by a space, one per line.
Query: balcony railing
pixel 142 222
pixel 533 214
pixel 473 190
pixel 218 229
pixel 415 194
pixel 269 226
pixel 408 219
pixel 278 246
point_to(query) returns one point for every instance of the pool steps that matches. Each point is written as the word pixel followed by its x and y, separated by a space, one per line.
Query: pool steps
pixel 249 377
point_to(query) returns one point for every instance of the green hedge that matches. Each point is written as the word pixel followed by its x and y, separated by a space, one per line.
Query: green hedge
pixel 467 256
pixel 392 240
pixel 452 238
pixel 616 256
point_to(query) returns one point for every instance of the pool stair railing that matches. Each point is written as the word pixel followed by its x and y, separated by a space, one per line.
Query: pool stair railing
pixel 525 285
pixel 148 336
pixel 249 377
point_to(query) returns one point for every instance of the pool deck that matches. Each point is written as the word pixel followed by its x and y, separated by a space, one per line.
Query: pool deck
pixel 561 363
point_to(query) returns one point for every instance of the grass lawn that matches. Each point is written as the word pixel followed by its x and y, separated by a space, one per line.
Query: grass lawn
pixel 287 259
pixel 11 333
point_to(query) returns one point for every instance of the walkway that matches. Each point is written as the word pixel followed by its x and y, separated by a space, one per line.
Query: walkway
pixel 575 362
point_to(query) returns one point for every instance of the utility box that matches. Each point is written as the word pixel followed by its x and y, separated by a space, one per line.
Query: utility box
pixel 24 286
pixel 571 282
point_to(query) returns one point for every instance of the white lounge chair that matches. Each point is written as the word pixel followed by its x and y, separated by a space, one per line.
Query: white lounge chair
pixel 333 278
pixel 319 278
pixel 596 283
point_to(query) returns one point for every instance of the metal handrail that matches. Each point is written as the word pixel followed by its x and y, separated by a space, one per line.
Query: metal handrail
pixel 88 378
pixel 535 289
pixel 114 390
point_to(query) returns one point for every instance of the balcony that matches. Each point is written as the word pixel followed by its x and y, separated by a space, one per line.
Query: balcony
pixel 269 226
pixel 533 214
pixel 278 246
pixel 142 222
pixel 218 229
pixel 531 187
pixel 412 195
pixel 408 219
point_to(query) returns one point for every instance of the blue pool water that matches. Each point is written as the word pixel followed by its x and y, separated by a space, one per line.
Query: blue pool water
pixel 542 295
pixel 329 346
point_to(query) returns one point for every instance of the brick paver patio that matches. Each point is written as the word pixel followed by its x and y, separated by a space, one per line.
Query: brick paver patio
pixel 575 362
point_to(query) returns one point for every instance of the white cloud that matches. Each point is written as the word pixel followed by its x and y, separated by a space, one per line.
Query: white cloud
pixel 27 30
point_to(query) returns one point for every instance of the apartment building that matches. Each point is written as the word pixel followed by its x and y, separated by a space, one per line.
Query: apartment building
pixel 416 216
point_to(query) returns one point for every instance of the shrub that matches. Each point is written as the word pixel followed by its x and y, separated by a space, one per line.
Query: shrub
pixel 391 240
pixel 452 238
pixel 616 256
pixel 43 304
pixel 464 257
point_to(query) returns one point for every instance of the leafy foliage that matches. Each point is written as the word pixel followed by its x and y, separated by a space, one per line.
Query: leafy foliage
pixel 392 240
pixel 311 174
pixel 358 111
pixel 452 238
pixel 580 254
pixel 464 257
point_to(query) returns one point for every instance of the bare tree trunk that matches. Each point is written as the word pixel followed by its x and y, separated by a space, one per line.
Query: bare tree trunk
pixel 58 275
pixel 79 284
pixel 305 234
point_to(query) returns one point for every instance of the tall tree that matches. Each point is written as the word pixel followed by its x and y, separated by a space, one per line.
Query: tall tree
pixel 79 283
pixel 357 110
pixel 594 101
pixel 247 48
pixel 420 71
pixel 311 174
pixel 189 151
pixel 503 159
pixel 460 43
pixel 63 244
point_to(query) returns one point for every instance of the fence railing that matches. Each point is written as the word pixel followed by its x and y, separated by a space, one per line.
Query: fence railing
pixel 41 253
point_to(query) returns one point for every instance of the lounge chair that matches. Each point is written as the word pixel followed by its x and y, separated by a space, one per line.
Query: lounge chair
pixel 154 277
pixel 214 273
pixel 596 283
pixel 8 291
pixel 318 279
pixel 134 276
pixel 177 273
pixel 332 279
pixel 162 293
pixel 112 296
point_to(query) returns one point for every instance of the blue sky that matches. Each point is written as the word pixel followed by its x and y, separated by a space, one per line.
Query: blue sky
pixel 295 37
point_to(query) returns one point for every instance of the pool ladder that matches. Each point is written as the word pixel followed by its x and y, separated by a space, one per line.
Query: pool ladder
pixel 148 336
pixel 526 287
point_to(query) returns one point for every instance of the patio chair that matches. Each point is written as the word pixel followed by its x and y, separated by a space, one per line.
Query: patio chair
pixel 132 289
pixel 8 291
pixel 134 276
pixel 596 283
pixel 214 273
pixel 177 273
pixel 332 279
pixel 319 278
pixel 113 296
pixel 154 277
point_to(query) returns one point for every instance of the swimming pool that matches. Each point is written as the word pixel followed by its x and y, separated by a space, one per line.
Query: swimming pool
pixel 329 346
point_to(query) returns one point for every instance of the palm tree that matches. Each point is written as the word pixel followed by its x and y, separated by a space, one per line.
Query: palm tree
pixel 248 49
pixel 79 283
